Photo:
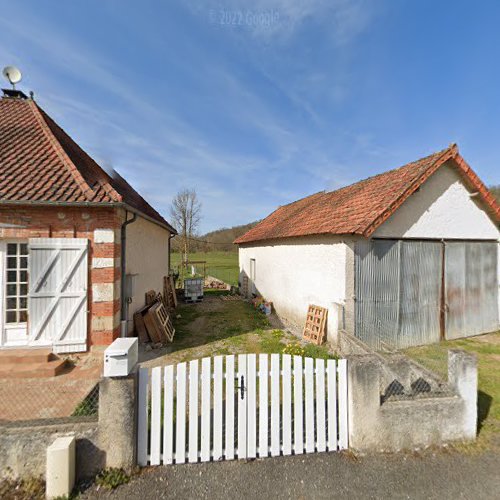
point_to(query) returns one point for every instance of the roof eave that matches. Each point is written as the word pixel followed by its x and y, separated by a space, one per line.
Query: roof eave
pixel 91 204
pixel 276 238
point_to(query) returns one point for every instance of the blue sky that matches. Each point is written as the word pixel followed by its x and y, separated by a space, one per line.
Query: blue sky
pixel 258 103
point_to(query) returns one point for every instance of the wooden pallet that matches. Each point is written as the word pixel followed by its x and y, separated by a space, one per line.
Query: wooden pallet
pixel 159 324
pixel 155 330
pixel 165 321
pixel 314 329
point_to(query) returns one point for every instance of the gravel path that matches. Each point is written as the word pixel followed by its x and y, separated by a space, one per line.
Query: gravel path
pixel 326 475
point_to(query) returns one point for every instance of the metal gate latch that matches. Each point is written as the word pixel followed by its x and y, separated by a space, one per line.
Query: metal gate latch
pixel 242 387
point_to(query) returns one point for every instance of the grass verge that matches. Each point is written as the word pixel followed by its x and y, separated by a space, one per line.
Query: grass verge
pixel 487 350
pixel 221 265
pixel 217 327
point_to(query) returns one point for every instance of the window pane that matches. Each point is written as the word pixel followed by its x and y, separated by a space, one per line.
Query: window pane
pixel 23 276
pixel 11 303
pixel 23 316
pixel 11 289
pixel 11 248
pixel 23 302
pixel 24 249
pixel 23 262
pixel 11 317
pixel 11 262
pixel 23 289
pixel 11 276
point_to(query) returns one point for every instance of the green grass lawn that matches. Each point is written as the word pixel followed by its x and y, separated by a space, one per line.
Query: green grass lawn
pixel 487 349
pixel 217 327
pixel 221 265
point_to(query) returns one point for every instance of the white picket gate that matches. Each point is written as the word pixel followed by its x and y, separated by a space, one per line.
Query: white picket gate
pixel 254 409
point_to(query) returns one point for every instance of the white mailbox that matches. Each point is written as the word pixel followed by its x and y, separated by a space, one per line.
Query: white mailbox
pixel 121 357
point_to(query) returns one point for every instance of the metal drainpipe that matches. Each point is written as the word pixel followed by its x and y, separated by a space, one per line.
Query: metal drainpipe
pixel 171 237
pixel 123 268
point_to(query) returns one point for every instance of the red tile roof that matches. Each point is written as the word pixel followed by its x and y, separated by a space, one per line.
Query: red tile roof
pixel 40 163
pixel 362 207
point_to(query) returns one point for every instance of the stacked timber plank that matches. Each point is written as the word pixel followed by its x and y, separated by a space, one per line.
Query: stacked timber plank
pixel 153 322
pixel 169 295
pixel 314 329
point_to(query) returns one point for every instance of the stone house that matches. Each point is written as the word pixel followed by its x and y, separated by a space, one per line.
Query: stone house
pixel 78 247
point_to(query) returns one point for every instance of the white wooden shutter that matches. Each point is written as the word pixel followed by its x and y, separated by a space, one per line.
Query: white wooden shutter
pixel 57 303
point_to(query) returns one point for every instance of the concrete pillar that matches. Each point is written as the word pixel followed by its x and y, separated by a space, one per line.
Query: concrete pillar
pixel 364 401
pixel 462 377
pixel 60 472
pixel 117 420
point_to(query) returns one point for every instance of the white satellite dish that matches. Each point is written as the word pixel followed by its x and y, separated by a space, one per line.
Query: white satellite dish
pixel 12 74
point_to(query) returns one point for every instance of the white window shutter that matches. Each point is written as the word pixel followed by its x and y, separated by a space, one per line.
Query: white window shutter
pixel 57 303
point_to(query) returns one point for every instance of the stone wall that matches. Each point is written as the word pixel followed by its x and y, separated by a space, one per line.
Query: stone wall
pixel 23 448
pixel 387 411
pixel 108 441
pixel 407 418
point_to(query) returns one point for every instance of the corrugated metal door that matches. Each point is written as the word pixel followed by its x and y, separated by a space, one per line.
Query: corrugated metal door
pixel 58 293
pixel 377 292
pixel 398 287
pixel 471 288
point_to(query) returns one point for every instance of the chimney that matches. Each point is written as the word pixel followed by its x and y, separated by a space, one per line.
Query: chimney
pixel 14 93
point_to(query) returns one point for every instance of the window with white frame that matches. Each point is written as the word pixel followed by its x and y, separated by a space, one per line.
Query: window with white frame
pixel 16 285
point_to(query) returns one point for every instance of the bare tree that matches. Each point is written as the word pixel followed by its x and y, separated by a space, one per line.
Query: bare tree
pixel 186 214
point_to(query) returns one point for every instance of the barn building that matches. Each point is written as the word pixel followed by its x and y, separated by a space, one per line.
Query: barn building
pixel 78 247
pixel 404 258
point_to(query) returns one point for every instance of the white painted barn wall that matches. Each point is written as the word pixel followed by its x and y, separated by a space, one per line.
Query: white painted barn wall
pixel 297 272
pixel 441 209
pixel 147 256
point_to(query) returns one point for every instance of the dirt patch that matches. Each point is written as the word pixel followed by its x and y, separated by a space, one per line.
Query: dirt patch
pixel 199 325
pixel 489 338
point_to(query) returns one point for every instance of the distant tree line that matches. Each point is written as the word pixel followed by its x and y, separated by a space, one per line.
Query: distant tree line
pixel 186 216
pixel 220 240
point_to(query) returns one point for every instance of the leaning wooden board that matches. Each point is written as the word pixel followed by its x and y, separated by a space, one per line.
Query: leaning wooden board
pixel 172 288
pixel 170 296
pixel 140 327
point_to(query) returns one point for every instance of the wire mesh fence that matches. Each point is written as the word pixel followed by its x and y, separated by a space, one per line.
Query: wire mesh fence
pixel 228 275
pixel 47 399
pixel 415 388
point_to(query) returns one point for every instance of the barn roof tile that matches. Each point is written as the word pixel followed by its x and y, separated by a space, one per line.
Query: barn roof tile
pixel 360 208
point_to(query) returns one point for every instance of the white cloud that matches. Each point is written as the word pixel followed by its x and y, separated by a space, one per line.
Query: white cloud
pixel 158 150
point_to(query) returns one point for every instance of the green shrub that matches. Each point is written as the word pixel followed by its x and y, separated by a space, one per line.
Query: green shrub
pixel 111 478
pixel 28 488
pixel 295 349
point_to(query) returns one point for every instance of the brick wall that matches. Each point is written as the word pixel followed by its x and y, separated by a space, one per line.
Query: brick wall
pixel 101 226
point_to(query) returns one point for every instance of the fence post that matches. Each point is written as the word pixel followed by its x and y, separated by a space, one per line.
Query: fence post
pixel 117 420
pixel 462 376
pixel 363 401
